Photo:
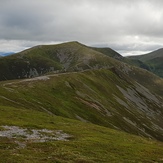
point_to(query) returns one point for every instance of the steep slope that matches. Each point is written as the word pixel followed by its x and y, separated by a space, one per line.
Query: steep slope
pixel 154 60
pixel 71 56
pixel 109 52
pixel 84 84
pixel 39 60
pixel 105 91
pixel 107 97
pixel 40 116
pixel 135 62
pixel 132 61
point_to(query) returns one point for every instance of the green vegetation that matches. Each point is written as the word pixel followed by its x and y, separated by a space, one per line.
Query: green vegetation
pixel 85 93
pixel 89 143
pixel 104 97
pixel 109 52
pixel 67 57
pixel 153 60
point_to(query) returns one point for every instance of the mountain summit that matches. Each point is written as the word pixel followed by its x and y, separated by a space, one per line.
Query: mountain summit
pixel 43 59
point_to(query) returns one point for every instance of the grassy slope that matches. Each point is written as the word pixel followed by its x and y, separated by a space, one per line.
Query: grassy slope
pixel 20 64
pixel 39 60
pixel 71 56
pixel 90 143
pixel 109 52
pixel 92 96
pixel 153 60
pixel 131 61
pixel 146 78
pixel 149 56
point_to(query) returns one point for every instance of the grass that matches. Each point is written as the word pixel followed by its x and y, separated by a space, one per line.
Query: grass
pixel 94 96
pixel 152 60
pixel 90 143
pixel 71 56
pixel 89 95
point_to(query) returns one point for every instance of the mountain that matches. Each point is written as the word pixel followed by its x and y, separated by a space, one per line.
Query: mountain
pixel 153 60
pixel 2 54
pixel 90 82
pixel 132 61
pixel 39 60
pixel 78 103
pixel 152 55
pixel 71 56
pixel 105 97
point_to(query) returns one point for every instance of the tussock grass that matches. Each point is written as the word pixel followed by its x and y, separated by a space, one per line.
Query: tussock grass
pixel 90 143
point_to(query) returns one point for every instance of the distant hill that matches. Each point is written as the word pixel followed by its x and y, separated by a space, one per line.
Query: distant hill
pixel 111 53
pixel 149 56
pixel 2 54
pixel 39 60
pixel 153 60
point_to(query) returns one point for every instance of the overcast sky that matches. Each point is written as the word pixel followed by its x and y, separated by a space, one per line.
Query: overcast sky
pixel 127 26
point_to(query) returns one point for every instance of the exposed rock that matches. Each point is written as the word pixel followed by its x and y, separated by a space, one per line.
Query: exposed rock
pixel 32 135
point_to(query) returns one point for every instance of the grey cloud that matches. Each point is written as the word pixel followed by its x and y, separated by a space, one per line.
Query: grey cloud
pixel 124 24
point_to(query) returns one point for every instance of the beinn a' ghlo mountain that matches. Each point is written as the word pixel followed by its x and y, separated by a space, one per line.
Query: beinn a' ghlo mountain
pixel 89 97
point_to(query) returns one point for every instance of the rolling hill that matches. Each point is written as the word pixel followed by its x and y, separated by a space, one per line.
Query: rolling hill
pixel 153 60
pixel 129 60
pixel 84 96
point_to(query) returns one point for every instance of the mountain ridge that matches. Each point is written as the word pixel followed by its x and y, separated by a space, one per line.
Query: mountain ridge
pixel 45 58
pixel 154 61
pixel 84 96
pixel 154 54
pixel 86 105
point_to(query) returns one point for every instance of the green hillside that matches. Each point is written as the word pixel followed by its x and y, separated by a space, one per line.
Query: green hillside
pixel 71 56
pixel 78 104
pixel 105 97
pixel 87 143
pixel 40 60
pixel 153 60
pixel 129 60
pixel 150 56
pixel 109 52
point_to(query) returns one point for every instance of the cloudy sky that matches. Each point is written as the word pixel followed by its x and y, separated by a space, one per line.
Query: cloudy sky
pixel 127 26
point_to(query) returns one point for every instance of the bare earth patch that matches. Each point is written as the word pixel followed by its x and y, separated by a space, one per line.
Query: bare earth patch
pixel 23 135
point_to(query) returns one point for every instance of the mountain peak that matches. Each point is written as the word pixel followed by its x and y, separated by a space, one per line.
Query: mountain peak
pixel 36 61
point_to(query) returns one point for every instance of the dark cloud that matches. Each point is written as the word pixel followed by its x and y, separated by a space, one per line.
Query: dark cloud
pixel 122 24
